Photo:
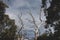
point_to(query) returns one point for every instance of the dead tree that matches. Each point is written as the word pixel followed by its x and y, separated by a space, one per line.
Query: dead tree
pixel 36 31
pixel 22 26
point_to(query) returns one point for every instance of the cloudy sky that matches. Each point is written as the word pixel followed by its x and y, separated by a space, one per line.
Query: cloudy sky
pixel 16 7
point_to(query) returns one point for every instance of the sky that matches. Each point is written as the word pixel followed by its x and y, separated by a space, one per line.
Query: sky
pixel 16 7
pixel 24 6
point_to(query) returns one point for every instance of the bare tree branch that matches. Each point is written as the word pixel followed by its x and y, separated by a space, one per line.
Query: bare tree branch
pixel 36 26
pixel 40 15
pixel 20 18
pixel 22 25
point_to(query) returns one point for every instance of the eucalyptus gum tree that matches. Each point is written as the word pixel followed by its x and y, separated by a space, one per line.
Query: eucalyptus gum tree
pixel 53 19
pixel 7 26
